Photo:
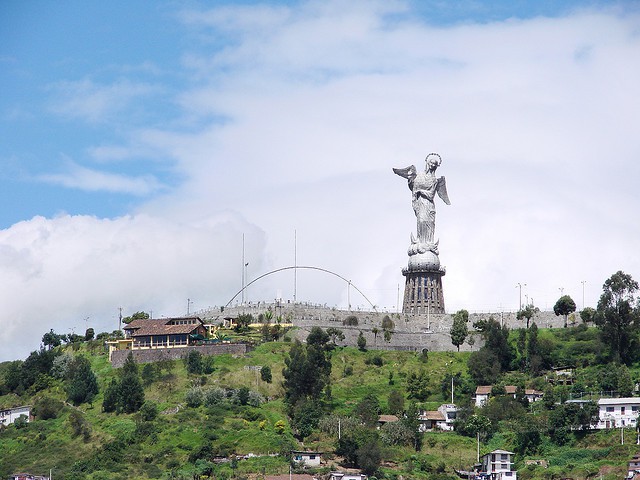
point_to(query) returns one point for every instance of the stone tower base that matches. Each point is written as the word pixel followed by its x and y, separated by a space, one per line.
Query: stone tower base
pixel 423 291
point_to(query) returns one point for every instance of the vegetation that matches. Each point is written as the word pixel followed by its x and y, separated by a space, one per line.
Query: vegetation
pixel 172 419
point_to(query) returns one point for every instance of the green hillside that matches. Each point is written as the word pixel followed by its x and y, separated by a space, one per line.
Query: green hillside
pixel 230 422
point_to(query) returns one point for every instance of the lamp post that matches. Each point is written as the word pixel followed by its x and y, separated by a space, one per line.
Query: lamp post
pixel 583 282
pixel 519 285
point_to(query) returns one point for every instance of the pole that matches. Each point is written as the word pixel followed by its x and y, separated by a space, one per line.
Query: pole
pixel 242 296
pixel 478 451
pixel 583 282
pixel 451 388
pixel 295 265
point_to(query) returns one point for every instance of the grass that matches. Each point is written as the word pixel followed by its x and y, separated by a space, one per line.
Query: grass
pixel 167 445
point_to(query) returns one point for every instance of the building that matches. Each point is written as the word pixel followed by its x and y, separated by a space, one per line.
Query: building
pixel 26 476
pixel 382 419
pixel 483 392
pixel 347 476
pixel 441 419
pixel 618 412
pixel 309 459
pixel 144 333
pixel 533 395
pixel 634 466
pixel 498 465
pixel 7 417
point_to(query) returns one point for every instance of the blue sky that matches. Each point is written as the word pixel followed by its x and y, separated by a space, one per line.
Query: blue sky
pixel 141 140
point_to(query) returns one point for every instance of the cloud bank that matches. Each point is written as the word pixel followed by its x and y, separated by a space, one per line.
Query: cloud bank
pixel 290 123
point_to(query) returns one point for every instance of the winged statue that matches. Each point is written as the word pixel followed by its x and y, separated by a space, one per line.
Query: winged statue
pixel 424 186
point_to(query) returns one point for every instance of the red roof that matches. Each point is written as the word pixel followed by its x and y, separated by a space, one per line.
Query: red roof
pixel 162 326
pixel 483 390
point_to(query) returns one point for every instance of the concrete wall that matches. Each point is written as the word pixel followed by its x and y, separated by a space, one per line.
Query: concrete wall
pixel 411 332
pixel 155 354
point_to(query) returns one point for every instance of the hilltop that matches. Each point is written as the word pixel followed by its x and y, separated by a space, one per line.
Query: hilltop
pixel 228 420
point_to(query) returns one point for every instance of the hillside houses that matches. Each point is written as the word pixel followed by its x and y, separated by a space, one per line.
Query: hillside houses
pixel 10 415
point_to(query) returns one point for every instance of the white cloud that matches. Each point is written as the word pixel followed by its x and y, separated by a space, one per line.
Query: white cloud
pixel 94 102
pixel 57 272
pixel 535 120
pixel 82 178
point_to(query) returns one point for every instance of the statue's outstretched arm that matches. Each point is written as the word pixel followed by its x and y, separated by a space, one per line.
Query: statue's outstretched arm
pixel 442 190
pixel 409 173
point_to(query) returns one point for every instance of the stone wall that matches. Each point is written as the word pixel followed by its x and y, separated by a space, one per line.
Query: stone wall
pixel 155 354
pixel 411 332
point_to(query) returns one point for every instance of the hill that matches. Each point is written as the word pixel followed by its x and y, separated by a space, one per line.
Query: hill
pixel 228 420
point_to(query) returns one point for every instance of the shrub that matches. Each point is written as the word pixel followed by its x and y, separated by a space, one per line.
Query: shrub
pixel 351 321
pixel 194 397
pixel 46 407
pixel 214 396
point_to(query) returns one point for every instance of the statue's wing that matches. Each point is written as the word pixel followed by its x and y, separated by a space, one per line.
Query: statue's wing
pixel 409 173
pixel 442 190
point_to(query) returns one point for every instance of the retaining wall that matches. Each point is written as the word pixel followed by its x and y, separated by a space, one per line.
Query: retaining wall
pixel 156 354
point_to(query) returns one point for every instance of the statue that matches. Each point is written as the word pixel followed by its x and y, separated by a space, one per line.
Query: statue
pixel 423 186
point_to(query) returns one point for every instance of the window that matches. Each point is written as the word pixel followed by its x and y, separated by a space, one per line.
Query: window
pixel 609 409
pixel 634 408
pixel 504 456
pixel 504 466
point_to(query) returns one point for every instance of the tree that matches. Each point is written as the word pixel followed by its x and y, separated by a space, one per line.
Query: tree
pixel 111 397
pixel 89 334
pixel 362 342
pixel 51 339
pixel 617 316
pixel 412 422
pixel 418 385
pixel 587 314
pixel 317 336
pixel 135 316
pixel 459 329
pixel 82 384
pixel 335 334
pixel 367 410
pixel 528 312
pixel 564 306
pixel 193 362
pixel 306 374
pixel 395 403
pixel 265 373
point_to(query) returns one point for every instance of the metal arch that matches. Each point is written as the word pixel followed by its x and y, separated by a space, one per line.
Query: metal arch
pixel 306 268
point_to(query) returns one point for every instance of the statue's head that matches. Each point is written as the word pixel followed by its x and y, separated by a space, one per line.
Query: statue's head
pixel 433 161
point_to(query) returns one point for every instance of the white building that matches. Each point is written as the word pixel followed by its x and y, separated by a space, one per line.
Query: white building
pixel 309 459
pixel 618 412
pixel 498 465
pixel 441 419
pixel 7 417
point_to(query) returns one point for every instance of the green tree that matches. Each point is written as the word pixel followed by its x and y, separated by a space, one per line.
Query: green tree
pixel 459 329
pixel 135 316
pixel 51 339
pixel 111 397
pixel 82 385
pixel 418 385
pixel 587 314
pixel 265 374
pixel 89 334
pixel 564 306
pixel 528 312
pixel 368 410
pixel 411 421
pixel 369 456
pixel 395 403
pixel 130 390
pixel 362 342
pixel 617 317
pixel 306 373
pixel 193 362
pixel 335 334
pixel 318 337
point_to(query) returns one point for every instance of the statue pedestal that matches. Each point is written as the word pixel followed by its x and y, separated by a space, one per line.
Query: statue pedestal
pixel 423 285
